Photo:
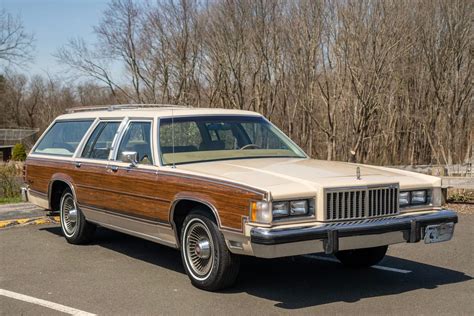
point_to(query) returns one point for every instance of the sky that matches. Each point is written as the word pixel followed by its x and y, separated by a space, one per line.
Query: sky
pixel 53 22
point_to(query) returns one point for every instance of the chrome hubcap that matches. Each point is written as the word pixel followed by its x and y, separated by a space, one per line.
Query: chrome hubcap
pixel 69 214
pixel 203 249
pixel 199 248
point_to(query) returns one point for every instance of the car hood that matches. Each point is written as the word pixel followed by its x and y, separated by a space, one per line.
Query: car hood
pixel 290 177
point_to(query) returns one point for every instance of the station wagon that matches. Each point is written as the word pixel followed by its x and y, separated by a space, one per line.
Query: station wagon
pixel 218 184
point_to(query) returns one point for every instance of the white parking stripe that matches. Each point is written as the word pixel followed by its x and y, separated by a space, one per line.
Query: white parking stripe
pixel 48 304
pixel 391 269
pixel 375 267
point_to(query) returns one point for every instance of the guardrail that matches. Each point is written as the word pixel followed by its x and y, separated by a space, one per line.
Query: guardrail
pixel 455 170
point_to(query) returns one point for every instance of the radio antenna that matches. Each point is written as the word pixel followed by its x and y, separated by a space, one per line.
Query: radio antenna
pixel 172 136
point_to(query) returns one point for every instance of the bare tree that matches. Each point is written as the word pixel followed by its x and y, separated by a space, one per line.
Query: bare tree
pixel 356 80
pixel 90 64
pixel 15 43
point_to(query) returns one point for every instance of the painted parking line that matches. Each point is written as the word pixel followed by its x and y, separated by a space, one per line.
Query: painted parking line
pixel 374 267
pixel 44 303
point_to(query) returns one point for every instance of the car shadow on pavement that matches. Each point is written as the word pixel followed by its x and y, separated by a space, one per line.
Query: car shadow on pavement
pixel 299 282
pixel 295 282
pixel 133 247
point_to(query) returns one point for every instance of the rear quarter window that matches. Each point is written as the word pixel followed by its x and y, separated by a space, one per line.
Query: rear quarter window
pixel 63 138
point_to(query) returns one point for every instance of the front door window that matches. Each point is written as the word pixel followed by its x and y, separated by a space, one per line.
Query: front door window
pixel 137 138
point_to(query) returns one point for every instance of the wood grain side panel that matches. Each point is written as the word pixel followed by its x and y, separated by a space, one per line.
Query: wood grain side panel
pixel 39 173
pixel 232 203
pixel 143 193
pixel 131 192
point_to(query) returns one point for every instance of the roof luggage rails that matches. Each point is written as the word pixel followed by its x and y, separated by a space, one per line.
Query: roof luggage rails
pixel 122 107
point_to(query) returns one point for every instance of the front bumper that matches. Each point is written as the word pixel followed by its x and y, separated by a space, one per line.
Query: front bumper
pixel 346 235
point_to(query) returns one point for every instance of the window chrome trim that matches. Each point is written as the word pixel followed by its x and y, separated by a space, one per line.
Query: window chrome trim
pixel 117 138
pixel 288 137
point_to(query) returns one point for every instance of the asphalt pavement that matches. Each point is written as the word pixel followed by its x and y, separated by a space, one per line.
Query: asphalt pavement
pixel 20 211
pixel 40 273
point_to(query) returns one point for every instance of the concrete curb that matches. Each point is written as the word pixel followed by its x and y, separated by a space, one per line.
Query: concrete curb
pixel 29 221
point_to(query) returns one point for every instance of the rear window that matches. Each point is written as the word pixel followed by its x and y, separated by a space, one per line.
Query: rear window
pixel 63 138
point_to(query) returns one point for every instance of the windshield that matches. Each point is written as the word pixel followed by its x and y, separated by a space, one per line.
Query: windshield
pixel 207 138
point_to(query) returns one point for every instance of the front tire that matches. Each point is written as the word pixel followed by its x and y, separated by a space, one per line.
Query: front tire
pixel 74 226
pixel 207 260
pixel 362 258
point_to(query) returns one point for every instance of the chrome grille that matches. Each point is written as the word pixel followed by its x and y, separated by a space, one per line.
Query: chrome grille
pixel 360 203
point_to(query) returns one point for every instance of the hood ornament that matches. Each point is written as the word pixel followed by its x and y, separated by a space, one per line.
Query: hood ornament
pixel 358 173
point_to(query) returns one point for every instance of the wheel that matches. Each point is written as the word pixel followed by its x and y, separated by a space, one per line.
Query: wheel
pixel 206 259
pixel 75 228
pixel 360 258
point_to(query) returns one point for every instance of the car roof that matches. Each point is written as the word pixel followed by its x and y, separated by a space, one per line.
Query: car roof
pixel 146 111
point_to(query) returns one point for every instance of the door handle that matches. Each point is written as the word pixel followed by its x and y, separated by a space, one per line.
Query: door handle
pixel 112 168
pixel 78 164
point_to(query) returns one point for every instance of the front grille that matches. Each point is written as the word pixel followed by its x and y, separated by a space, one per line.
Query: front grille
pixel 359 203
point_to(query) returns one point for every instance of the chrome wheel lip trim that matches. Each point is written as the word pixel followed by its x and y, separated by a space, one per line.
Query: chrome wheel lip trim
pixel 196 222
pixel 68 216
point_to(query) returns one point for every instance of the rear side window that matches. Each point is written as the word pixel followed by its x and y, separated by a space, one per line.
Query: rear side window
pixel 63 138
pixel 100 143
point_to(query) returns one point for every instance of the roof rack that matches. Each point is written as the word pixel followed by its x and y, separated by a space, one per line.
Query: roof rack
pixel 121 107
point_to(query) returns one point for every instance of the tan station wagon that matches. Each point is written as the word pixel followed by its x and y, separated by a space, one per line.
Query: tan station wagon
pixel 218 184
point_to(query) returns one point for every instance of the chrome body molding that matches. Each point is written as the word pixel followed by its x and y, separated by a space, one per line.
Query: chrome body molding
pixel 171 215
pixel 332 237
pixel 153 231
pixel 193 199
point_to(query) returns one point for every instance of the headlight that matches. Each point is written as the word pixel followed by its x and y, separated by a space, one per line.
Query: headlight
pixel 299 207
pixel 290 208
pixel 404 198
pixel 280 209
pixel 418 197
pixel 260 211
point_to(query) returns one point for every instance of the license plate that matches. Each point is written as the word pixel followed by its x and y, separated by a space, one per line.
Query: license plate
pixel 439 233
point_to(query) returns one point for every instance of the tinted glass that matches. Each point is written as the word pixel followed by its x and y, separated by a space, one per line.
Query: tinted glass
pixel 99 144
pixel 137 139
pixel 63 138
pixel 196 139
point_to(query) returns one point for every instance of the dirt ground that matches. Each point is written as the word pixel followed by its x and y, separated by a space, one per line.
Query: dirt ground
pixel 462 208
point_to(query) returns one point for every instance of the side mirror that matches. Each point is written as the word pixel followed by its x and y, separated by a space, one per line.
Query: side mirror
pixel 130 157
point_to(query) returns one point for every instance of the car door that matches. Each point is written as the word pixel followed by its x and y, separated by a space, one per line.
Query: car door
pixel 135 187
pixel 93 175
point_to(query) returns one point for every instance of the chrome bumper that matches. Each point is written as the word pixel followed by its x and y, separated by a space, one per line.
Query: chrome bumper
pixel 412 227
